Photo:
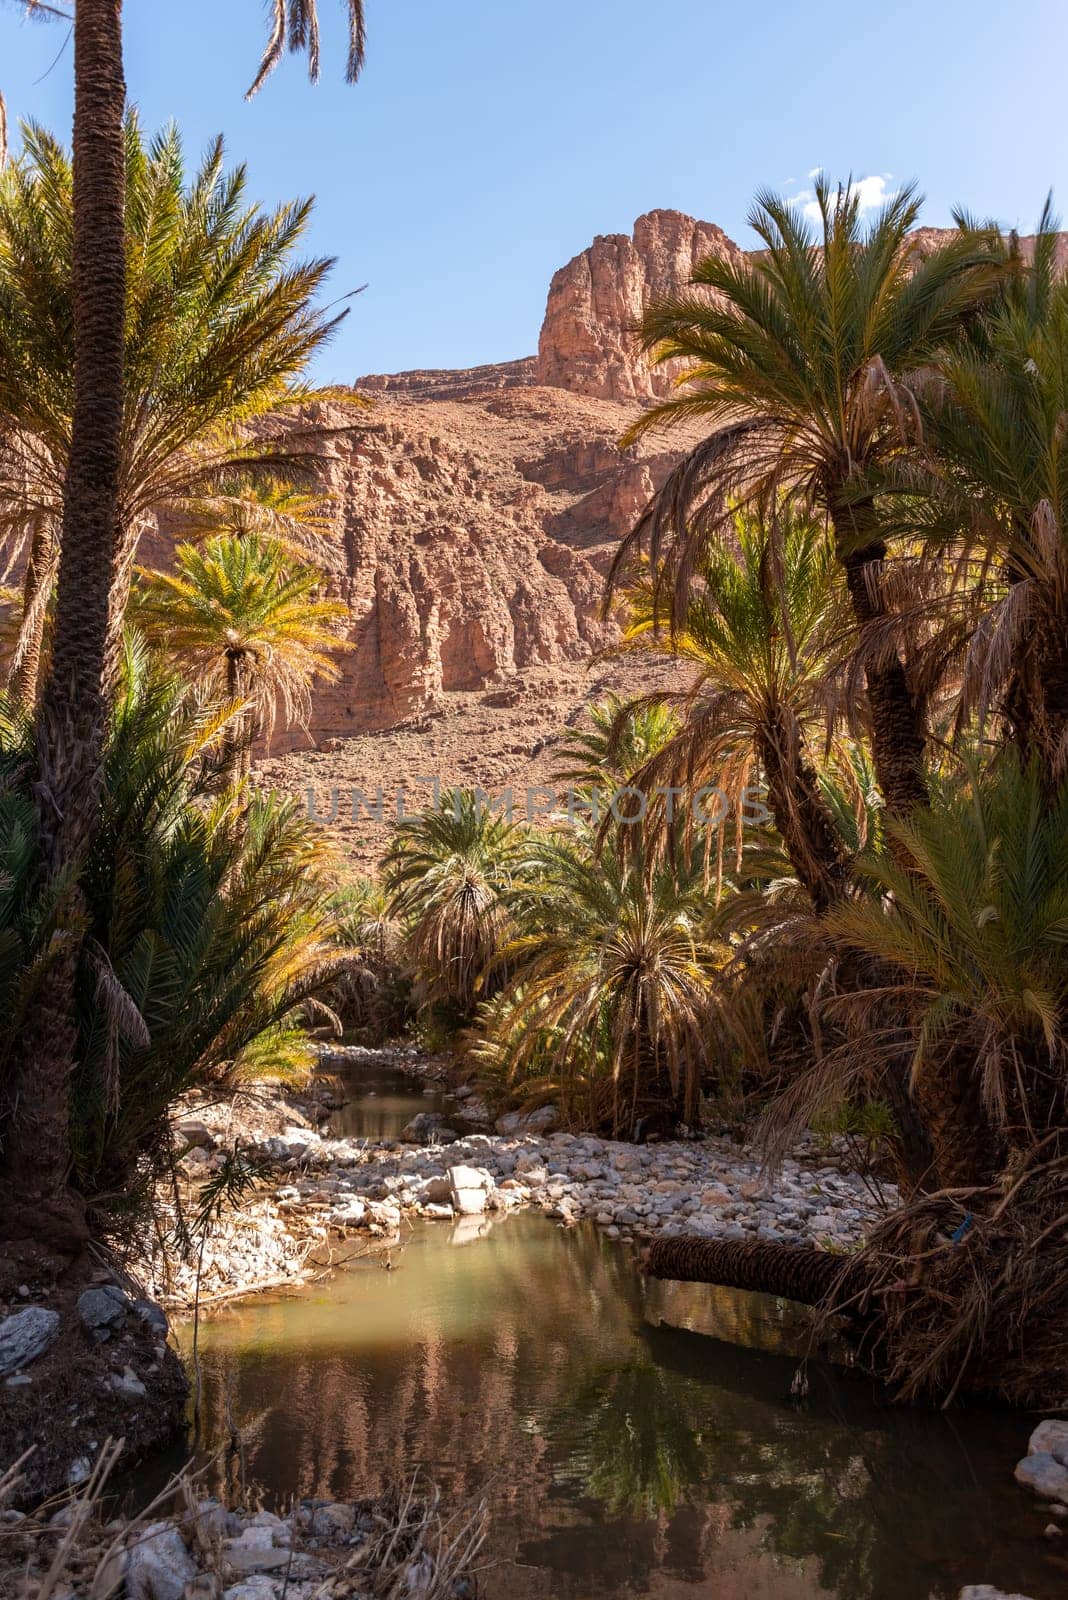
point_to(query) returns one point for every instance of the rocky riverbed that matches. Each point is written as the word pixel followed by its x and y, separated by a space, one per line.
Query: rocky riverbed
pixel 318 1198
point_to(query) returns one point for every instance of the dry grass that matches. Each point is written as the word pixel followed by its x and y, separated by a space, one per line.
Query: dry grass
pixel 413 1552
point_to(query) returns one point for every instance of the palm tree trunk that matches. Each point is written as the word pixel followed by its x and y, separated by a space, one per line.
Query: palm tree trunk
pixel 898 735
pixel 967 1148
pixel 238 757
pixel 812 1277
pixel 88 621
pixel 36 586
pixel 805 826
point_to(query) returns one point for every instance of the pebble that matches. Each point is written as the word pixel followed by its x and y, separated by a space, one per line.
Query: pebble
pixel 327 1188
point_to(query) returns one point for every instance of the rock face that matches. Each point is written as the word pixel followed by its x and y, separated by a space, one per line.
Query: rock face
pixel 474 536
pixel 588 342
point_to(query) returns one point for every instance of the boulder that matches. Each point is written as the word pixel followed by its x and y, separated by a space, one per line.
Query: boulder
pixel 333 1520
pixel 160 1566
pixel 1044 1475
pixel 196 1134
pixel 1050 1438
pixel 422 1127
pixel 104 1310
pixel 26 1335
pixel 469 1188
pixel 517 1123
pixel 153 1316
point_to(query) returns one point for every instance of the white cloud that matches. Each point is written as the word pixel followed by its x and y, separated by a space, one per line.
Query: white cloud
pixel 871 193
pixel 814 172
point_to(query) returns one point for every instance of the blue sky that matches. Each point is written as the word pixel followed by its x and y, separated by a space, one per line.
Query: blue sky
pixel 489 140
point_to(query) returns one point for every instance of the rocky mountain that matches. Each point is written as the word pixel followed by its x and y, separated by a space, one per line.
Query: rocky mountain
pixel 587 342
pixel 478 509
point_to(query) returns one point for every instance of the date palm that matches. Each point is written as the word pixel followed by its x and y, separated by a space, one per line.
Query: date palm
pixel 990 500
pixel 450 874
pixel 220 327
pixel 250 626
pixel 971 938
pixel 90 594
pixel 613 974
pixel 796 361
pixel 760 629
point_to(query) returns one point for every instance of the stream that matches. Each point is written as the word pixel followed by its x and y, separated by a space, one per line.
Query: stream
pixel 631 1438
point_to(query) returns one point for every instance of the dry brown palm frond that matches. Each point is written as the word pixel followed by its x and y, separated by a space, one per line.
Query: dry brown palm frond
pixel 966 1289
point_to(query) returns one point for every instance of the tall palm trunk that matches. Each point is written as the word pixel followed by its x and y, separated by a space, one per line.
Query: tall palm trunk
pixel 237 761
pixel 36 589
pixel 88 624
pixel 805 825
pixel 897 726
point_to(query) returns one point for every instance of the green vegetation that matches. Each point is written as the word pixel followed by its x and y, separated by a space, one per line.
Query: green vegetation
pixel 863 562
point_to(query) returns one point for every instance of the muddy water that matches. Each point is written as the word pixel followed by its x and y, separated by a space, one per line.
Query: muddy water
pixel 621 1457
pixel 382 1101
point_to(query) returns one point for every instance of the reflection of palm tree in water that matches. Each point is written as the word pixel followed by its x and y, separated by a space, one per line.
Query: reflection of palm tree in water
pixel 611 1452
pixel 635 1444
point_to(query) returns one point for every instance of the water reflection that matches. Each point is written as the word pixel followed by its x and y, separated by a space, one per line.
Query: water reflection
pixel 381 1102
pixel 621 1458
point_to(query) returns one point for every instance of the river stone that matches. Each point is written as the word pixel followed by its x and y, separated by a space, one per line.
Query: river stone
pixel 1050 1438
pixel 103 1310
pixel 258 1586
pixel 986 1591
pixel 195 1133
pixel 128 1386
pixel 160 1566
pixel 516 1123
pixel 1045 1475
pixel 335 1518
pixel 469 1187
pixel 153 1316
pixel 26 1335
pixel 255 1551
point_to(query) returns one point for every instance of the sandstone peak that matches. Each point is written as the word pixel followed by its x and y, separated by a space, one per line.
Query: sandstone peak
pixel 588 340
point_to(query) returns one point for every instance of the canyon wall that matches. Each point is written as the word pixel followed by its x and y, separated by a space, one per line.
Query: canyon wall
pixel 477 510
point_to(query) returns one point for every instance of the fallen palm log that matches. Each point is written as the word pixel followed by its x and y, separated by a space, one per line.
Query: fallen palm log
pixel 966 1289
pixel 795 1272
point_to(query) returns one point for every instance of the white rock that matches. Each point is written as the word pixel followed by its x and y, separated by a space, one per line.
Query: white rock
pixel 986 1591
pixel 469 1188
pixel 255 1551
pixel 196 1134
pixel 128 1385
pixel 160 1566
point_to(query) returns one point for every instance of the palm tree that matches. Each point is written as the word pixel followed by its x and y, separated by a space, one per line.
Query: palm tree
pixel 184 895
pixel 90 594
pixel 623 736
pixel 613 968
pixel 249 625
pixel 972 940
pixel 989 497
pixel 797 359
pixel 220 327
pixel 761 624
pixel 450 874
